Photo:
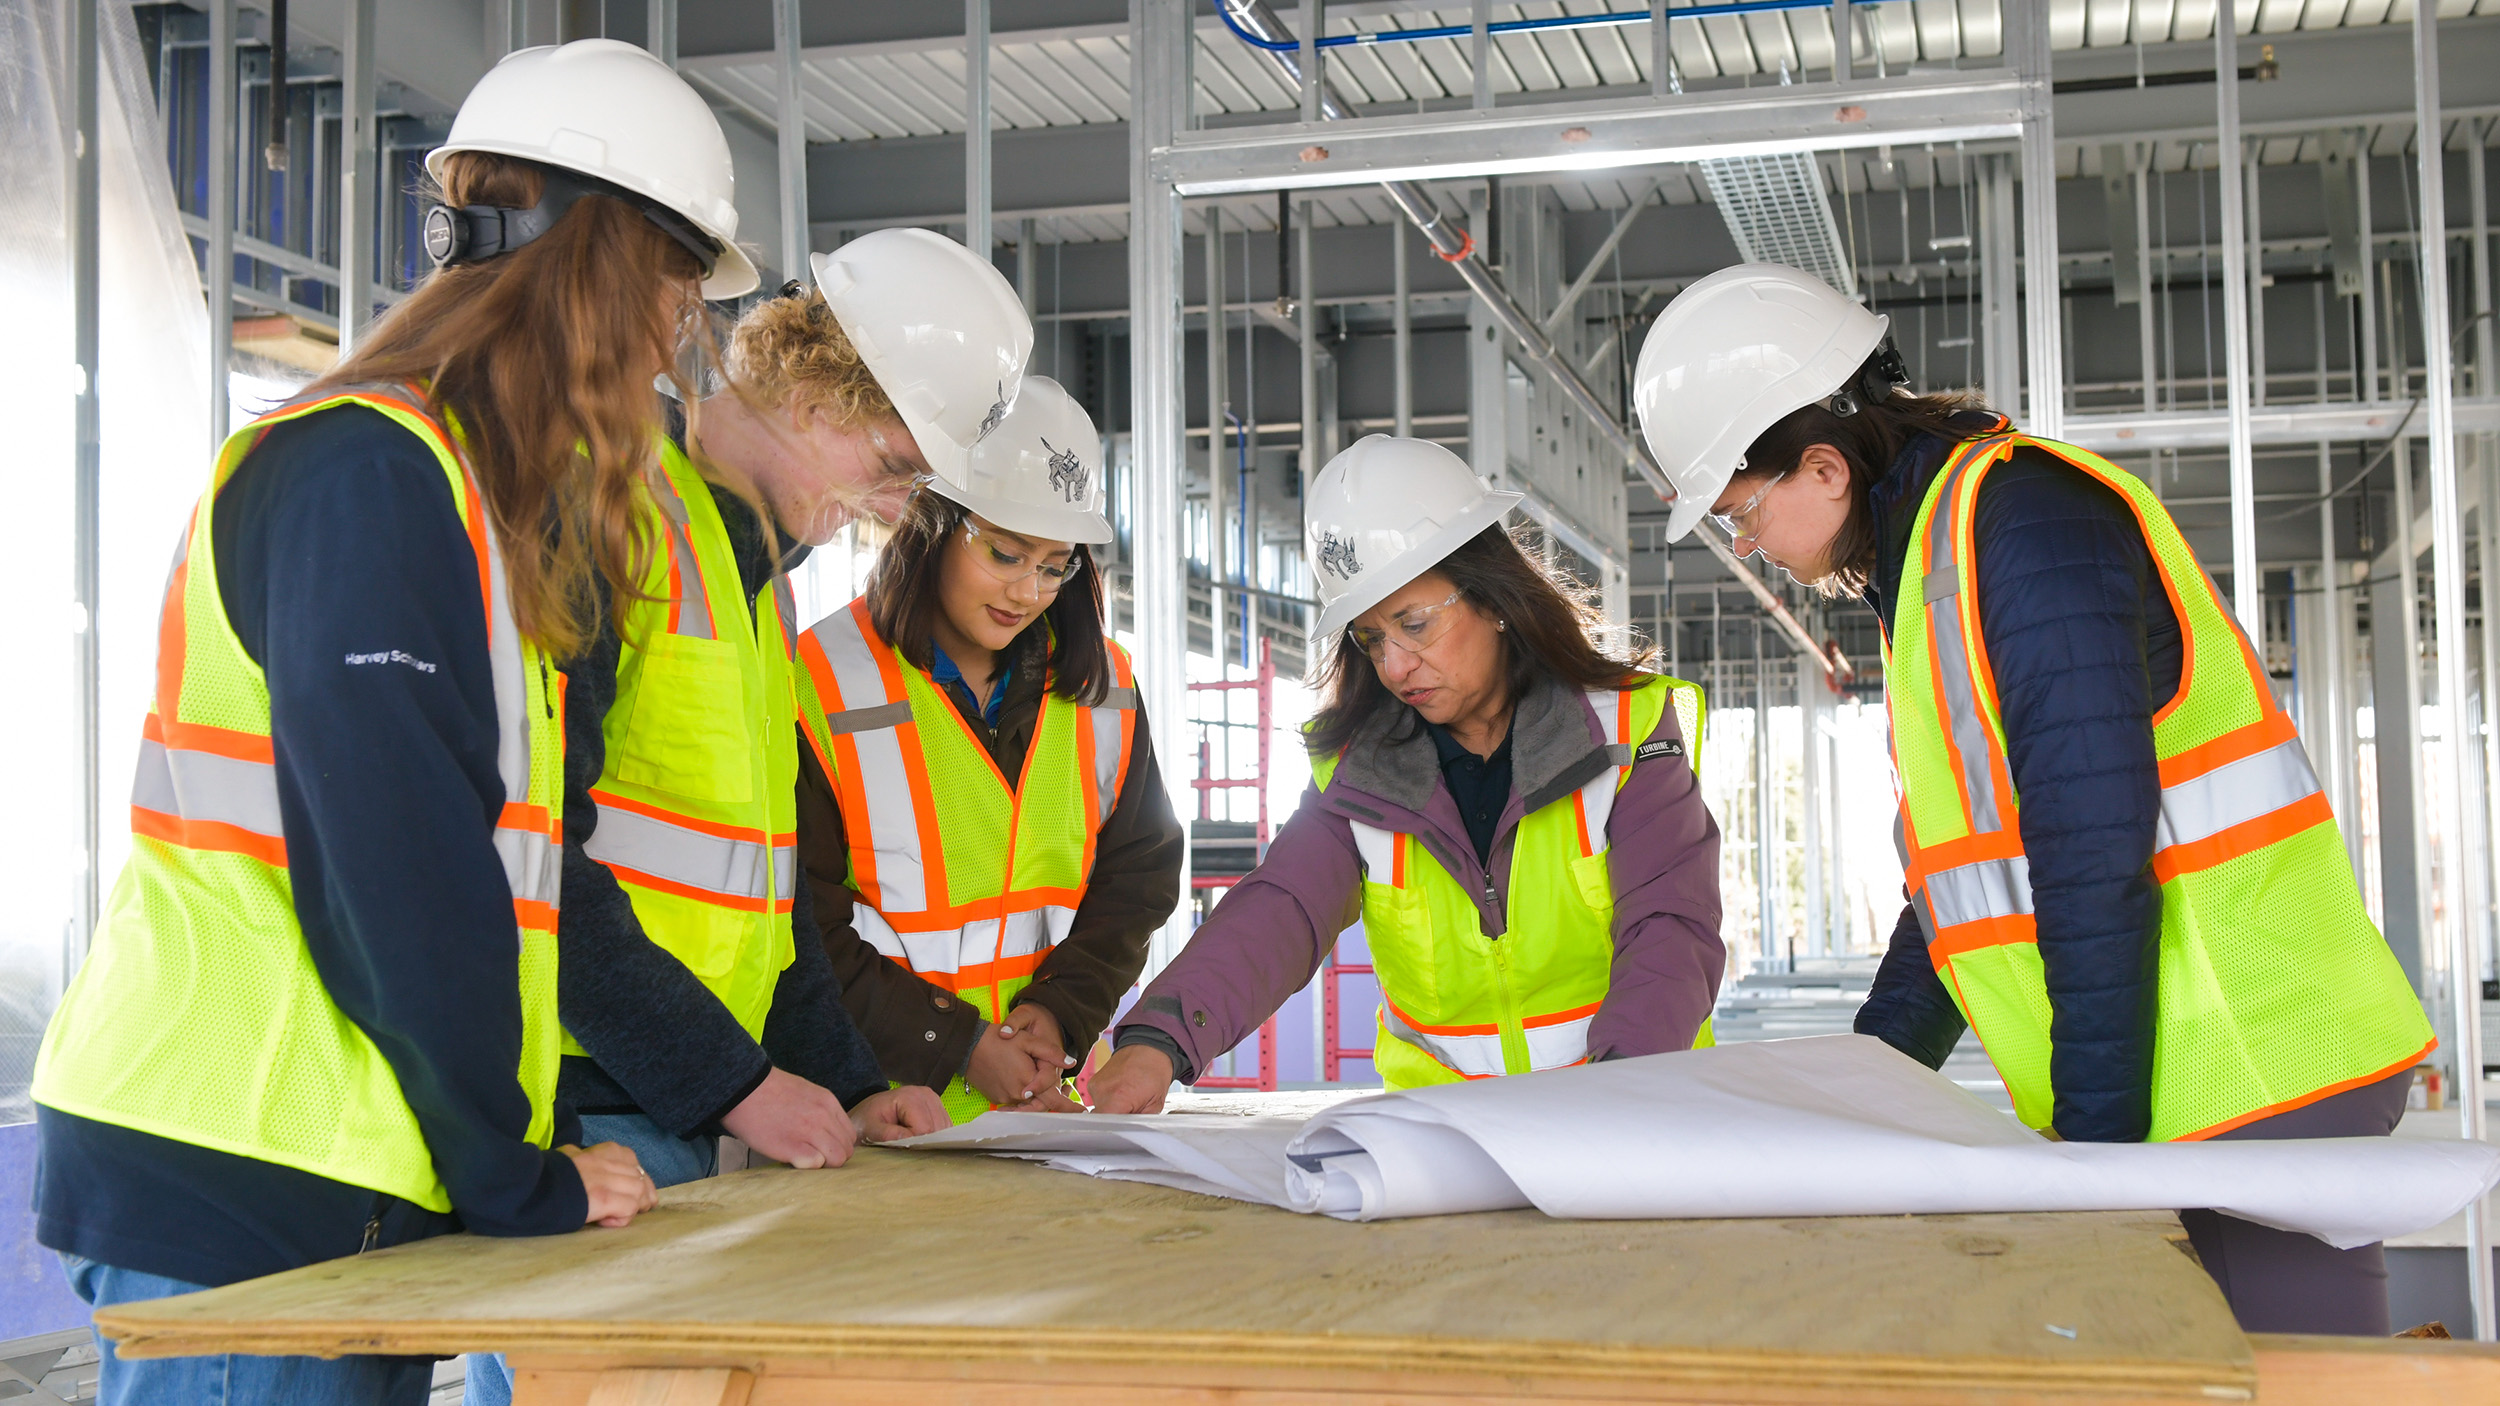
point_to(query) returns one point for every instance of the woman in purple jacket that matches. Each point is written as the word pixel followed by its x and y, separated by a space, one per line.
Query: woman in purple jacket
pixel 1512 811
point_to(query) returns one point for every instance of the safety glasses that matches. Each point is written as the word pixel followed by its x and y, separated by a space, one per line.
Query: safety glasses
pixel 1413 630
pixel 1009 562
pixel 1743 521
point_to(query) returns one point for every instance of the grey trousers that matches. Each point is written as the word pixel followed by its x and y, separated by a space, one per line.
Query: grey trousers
pixel 2279 1281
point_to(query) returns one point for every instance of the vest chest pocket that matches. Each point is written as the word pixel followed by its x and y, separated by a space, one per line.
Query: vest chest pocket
pixel 688 733
pixel 1591 881
pixel 1397 931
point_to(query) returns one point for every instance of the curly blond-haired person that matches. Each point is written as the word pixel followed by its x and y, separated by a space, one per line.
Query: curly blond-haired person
pixel 696 994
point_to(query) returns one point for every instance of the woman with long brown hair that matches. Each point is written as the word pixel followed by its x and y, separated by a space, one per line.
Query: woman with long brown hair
pixel 320 1015
pixel 986 836
pixel 1512 811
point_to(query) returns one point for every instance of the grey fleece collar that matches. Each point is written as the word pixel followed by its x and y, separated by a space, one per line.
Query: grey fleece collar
pixel 1552 752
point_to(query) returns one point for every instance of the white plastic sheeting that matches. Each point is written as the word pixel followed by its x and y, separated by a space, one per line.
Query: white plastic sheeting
pixel 153 389
pixel 1838 1125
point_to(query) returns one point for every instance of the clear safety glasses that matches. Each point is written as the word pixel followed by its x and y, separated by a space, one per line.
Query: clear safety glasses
pixel 1743 521
pixel 1412 630
pixel 1009 561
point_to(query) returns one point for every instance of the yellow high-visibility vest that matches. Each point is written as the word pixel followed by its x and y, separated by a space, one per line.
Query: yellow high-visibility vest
pixel 1458 1003
pixel 198 1015
pixel 2275 988
pixel 698 809
pixel 964 879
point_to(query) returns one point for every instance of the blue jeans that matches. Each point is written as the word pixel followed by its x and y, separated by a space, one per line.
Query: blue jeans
pixel 234 1379
pixel 669 1160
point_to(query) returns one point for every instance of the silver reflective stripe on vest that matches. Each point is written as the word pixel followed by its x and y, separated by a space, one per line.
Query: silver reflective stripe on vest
pixel 747 871
pixel 1597 798
pixel 1106 719
pixel 1990 888
pixel 532 866
pixel 952 950
pixel 1565 1042
pixel 1379 850
pixel 207 787
pixel 1952 654
pixel 1479 1056
pixel 868 719
pixel 787 607
pixel 2235 793
pixel 893 831
pixel 694 603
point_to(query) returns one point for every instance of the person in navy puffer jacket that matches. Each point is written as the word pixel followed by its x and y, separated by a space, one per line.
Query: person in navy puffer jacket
pixel 1780 409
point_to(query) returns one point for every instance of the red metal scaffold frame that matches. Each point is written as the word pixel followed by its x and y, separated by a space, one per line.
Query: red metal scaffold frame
pixel 1333 970
pixel 1264 682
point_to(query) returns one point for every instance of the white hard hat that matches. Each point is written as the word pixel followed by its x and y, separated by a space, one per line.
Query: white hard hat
pixel 610 111
pixel 1385 512
pixel 941 330
pixel 1040 472
pixel 1731 356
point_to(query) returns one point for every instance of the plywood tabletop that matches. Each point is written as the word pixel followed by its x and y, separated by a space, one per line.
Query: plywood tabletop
pixel 931 1256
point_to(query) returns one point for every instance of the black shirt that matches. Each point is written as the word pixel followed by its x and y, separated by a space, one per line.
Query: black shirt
pixel 1480 785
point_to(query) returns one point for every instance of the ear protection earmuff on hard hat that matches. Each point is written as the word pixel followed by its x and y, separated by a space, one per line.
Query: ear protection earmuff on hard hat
pixel 1878 379
pixel 472 234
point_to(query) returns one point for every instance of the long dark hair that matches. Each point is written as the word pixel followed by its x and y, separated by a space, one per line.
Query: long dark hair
pixel 903 599
pixel 545 356
pixel 1870 441
pixel 1555 625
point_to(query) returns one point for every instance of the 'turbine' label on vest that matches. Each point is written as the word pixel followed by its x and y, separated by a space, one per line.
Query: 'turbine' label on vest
pixel 1662 747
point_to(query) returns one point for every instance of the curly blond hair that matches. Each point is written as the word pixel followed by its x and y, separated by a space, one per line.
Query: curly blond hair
pixel 790 352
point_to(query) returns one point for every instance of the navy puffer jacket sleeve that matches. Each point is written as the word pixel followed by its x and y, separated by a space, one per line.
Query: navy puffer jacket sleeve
pixel 2084 647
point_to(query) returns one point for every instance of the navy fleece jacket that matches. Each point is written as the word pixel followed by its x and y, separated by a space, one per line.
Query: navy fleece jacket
pixel 336 540
pixel 2084 647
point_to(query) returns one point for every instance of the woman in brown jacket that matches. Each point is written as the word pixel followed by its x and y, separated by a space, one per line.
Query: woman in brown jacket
pixel 985 598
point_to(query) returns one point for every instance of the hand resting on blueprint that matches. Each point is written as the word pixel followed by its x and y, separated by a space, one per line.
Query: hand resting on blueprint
pixel 1836 1125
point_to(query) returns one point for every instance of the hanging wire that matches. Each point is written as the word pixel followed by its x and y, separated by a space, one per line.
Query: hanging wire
pixel 2386 446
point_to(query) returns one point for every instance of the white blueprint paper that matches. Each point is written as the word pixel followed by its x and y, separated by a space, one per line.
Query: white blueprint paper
pixel 1837 1125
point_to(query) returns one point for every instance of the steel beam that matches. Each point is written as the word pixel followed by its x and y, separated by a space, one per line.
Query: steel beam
pixel 359 166
pixel 2000 276
pixel 2464 800
pixel 1402 315
pixel 1306 343
pixel 2247 582
pixel 221 182
pixel 87 437
pixel 2027 52
pixel 1977 105
pixel 1160 30
pixel 2338 421
pixel 661 18
pixel 977 232
pixel 1219 389
pixel 790 130
pixel 1597 262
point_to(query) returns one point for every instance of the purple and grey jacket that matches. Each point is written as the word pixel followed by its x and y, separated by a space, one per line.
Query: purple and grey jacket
pixel 1267 939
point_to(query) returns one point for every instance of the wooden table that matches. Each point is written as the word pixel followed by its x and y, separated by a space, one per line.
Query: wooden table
pixel 921 1277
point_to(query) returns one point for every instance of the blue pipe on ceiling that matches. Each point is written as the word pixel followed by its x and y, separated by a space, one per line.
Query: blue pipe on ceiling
pixel 1461 31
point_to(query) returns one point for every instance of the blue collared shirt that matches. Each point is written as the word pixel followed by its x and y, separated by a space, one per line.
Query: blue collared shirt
pixel 944 671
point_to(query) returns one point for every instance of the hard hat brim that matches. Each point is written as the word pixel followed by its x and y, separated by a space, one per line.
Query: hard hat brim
pixel 1686 512
pixel 1032 519
pixel 1383 581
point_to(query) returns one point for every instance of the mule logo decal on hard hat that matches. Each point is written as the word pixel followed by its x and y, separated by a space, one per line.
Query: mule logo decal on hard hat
pixel 1067 472
pixel 998 412
pixel 1336 556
